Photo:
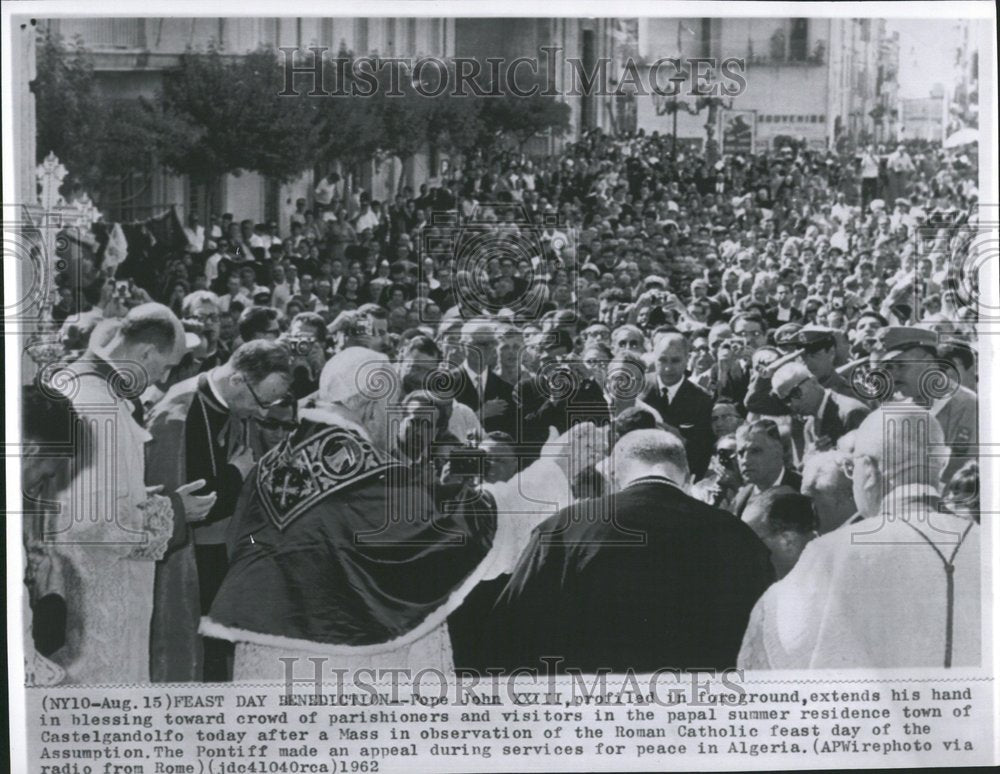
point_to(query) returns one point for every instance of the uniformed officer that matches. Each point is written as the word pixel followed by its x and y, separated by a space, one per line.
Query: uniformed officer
pixel 910 356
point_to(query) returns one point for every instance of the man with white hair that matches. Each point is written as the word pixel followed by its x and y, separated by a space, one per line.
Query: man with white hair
pixel 923 561
pixel 340 548
pixel 644 578
pixel 824 482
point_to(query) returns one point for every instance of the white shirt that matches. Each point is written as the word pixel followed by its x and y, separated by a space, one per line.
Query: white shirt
pixel 280 296
pixel 841 211
pixel 671 390
pixel 478 380
pixel 366 220
pixel 777 482
pixel 212 267
pixel 825 615
pixel 869 166
pixel 195 238
pixel 324 192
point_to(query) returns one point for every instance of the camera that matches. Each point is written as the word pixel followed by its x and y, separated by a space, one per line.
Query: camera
pixel 300 345
pixel 362 327
pixel 467 461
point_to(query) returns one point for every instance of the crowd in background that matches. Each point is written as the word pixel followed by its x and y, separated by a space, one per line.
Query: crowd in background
pixel 757 308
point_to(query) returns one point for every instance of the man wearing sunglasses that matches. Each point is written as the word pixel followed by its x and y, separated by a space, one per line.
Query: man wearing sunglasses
pixel 207 427
pixel 829 414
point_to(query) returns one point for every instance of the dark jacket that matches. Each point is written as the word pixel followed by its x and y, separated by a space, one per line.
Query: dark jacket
pixel 666 582
pixel 791 479
pixel 691 413
pixel 496 388
pixel 839 416
pixel 540 405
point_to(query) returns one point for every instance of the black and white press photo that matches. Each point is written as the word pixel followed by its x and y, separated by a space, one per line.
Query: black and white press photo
pixel 500 388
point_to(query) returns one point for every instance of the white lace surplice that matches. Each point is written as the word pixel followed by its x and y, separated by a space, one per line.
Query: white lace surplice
pixel 108 541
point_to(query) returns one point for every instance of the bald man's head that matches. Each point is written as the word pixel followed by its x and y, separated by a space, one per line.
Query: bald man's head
pixel 152 324
pixel 894 448
pixel 643 453
pixel 147 343
pixel 670 356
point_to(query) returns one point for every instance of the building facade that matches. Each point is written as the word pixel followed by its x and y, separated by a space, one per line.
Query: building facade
pixel 922 118
pixel 811 80
pixel 130 56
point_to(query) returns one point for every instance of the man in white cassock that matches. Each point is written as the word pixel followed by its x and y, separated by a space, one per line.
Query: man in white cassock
pixel 338 547
pixel 898 585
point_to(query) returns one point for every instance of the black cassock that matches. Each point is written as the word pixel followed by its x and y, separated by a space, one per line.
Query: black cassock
pixel 645 579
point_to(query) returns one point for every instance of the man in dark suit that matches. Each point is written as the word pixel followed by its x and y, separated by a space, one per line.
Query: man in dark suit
pixel 782 311
pixel 645 578
pixel 681 403
pixel 830 414
pixel 760 454
pixel 562 393
pixel 479 387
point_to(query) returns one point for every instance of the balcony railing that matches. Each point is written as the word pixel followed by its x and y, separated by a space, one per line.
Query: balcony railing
pixel 106 34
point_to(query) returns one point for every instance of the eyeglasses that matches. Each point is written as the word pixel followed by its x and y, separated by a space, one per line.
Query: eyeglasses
pixel 283 400
pixel 796 392
pixel 210 317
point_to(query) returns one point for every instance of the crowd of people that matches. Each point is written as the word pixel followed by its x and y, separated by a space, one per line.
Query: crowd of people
pixel 623 407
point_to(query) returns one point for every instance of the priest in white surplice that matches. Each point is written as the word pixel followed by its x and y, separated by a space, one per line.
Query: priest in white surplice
pixel 898 586
pixel 110 529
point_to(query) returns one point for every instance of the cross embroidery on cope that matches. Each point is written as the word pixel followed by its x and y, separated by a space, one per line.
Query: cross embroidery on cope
pixel 293 479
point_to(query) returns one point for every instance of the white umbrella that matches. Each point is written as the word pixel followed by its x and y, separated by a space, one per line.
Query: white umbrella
pixel 962 137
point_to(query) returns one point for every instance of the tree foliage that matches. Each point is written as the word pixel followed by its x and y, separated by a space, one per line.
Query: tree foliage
pixel 224 114
pixel 99 139
pixel 220 114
